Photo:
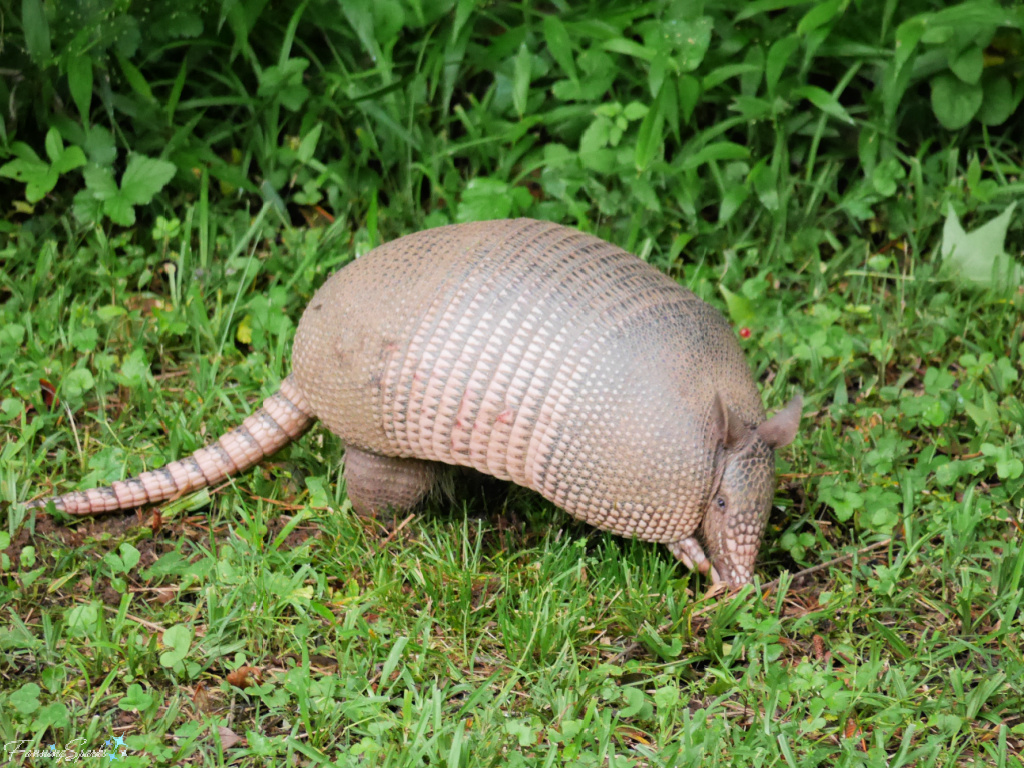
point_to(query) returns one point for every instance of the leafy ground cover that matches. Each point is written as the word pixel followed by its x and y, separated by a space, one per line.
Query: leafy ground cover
pixel 841 179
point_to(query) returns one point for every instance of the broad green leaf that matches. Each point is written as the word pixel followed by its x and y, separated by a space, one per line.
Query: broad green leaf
pixel 115 562
pixel 689 95
pixel 973 14
pixel 71 158
pixel 388 19
pixel 37 31
pixel 778 57
pixel 630 48
pixel 287 74
pixel 81 620
pixel 867 148
pixel 1009 468
pixel 54 716
pixel 84 339
pixel 937 34
pixel 908 35
pixel 53 144
pixel 38 177
pixel 308 144
pixel 667 696
pixel 741 311
pixel 976 19
pixel 135 370
pixel 656 73
pixel 178 639
pixel 732 200
pixel 80 84
pixel 119 210
pixel 954 101
pixel 135 699
pixel 319 494
pixel 76 382
pixel 359 15
pixel 244 332
pixel 559 45
pixel 755 7
pixel 129 556
pixel 720 150
pixel 23 151
pixel 634 110
pixel 88 208
pixel 998 102
pixel 99 146
pixel 108 312
pixel 26 699
pixel 144 177
pixel 596 136
pixel 885 176
pixel 484 198
pixel 11 335
pixel 100 181
pixel 463 11
pixel 187 504
pixel 634 701
pixel 38 187
pixel 643 193
pixel 979 256
pixel 750 81
pixel 765 183
pixel 692 38
pixel 968 64
pixel 824 101
pixel 718 76
pixel 820 14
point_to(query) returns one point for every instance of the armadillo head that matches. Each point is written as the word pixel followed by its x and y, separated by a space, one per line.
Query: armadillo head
pixel 738 508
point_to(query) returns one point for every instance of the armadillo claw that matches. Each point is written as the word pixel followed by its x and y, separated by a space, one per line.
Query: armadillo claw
pixel 690 553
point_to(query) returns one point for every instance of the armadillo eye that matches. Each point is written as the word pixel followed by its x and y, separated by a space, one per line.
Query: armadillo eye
pixel 720 502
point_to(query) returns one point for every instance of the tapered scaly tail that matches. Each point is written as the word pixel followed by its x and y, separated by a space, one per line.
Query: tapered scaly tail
pixel 285 415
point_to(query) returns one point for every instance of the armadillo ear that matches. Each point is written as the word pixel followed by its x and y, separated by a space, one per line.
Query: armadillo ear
pixel 728 424
pixel 781 428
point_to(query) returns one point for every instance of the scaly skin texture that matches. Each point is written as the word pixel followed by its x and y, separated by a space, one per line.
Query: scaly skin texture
pixel 536 354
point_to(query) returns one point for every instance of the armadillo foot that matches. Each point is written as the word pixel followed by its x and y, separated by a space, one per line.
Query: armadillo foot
pixel 381 486
pixel 691 554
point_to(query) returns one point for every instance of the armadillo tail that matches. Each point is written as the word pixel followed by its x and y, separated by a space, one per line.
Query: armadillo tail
pixel 285 415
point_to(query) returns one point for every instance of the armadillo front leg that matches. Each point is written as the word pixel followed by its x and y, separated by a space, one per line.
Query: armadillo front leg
pixel 691 554
pixel 378 485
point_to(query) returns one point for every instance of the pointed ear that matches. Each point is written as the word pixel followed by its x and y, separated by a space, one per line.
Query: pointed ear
pixel 781 428
pixel 727 424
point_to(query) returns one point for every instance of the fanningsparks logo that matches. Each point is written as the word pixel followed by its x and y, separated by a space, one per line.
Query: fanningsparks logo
pixel 112 749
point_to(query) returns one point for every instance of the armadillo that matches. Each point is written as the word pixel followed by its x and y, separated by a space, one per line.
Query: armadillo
pixel 531 352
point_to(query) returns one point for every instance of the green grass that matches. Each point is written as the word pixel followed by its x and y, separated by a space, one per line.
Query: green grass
pixel 790 163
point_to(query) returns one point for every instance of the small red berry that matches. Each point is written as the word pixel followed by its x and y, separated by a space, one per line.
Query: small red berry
pixel 744 333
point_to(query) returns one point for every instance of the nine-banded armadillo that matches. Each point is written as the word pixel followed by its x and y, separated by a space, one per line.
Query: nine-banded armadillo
pixel 534 353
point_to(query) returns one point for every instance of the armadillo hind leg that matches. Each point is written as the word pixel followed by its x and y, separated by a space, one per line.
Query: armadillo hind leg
pixel 284 416
pixel 691 554
pixel 382 485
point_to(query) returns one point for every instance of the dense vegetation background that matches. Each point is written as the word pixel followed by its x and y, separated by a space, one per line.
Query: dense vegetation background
pixel 841 178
